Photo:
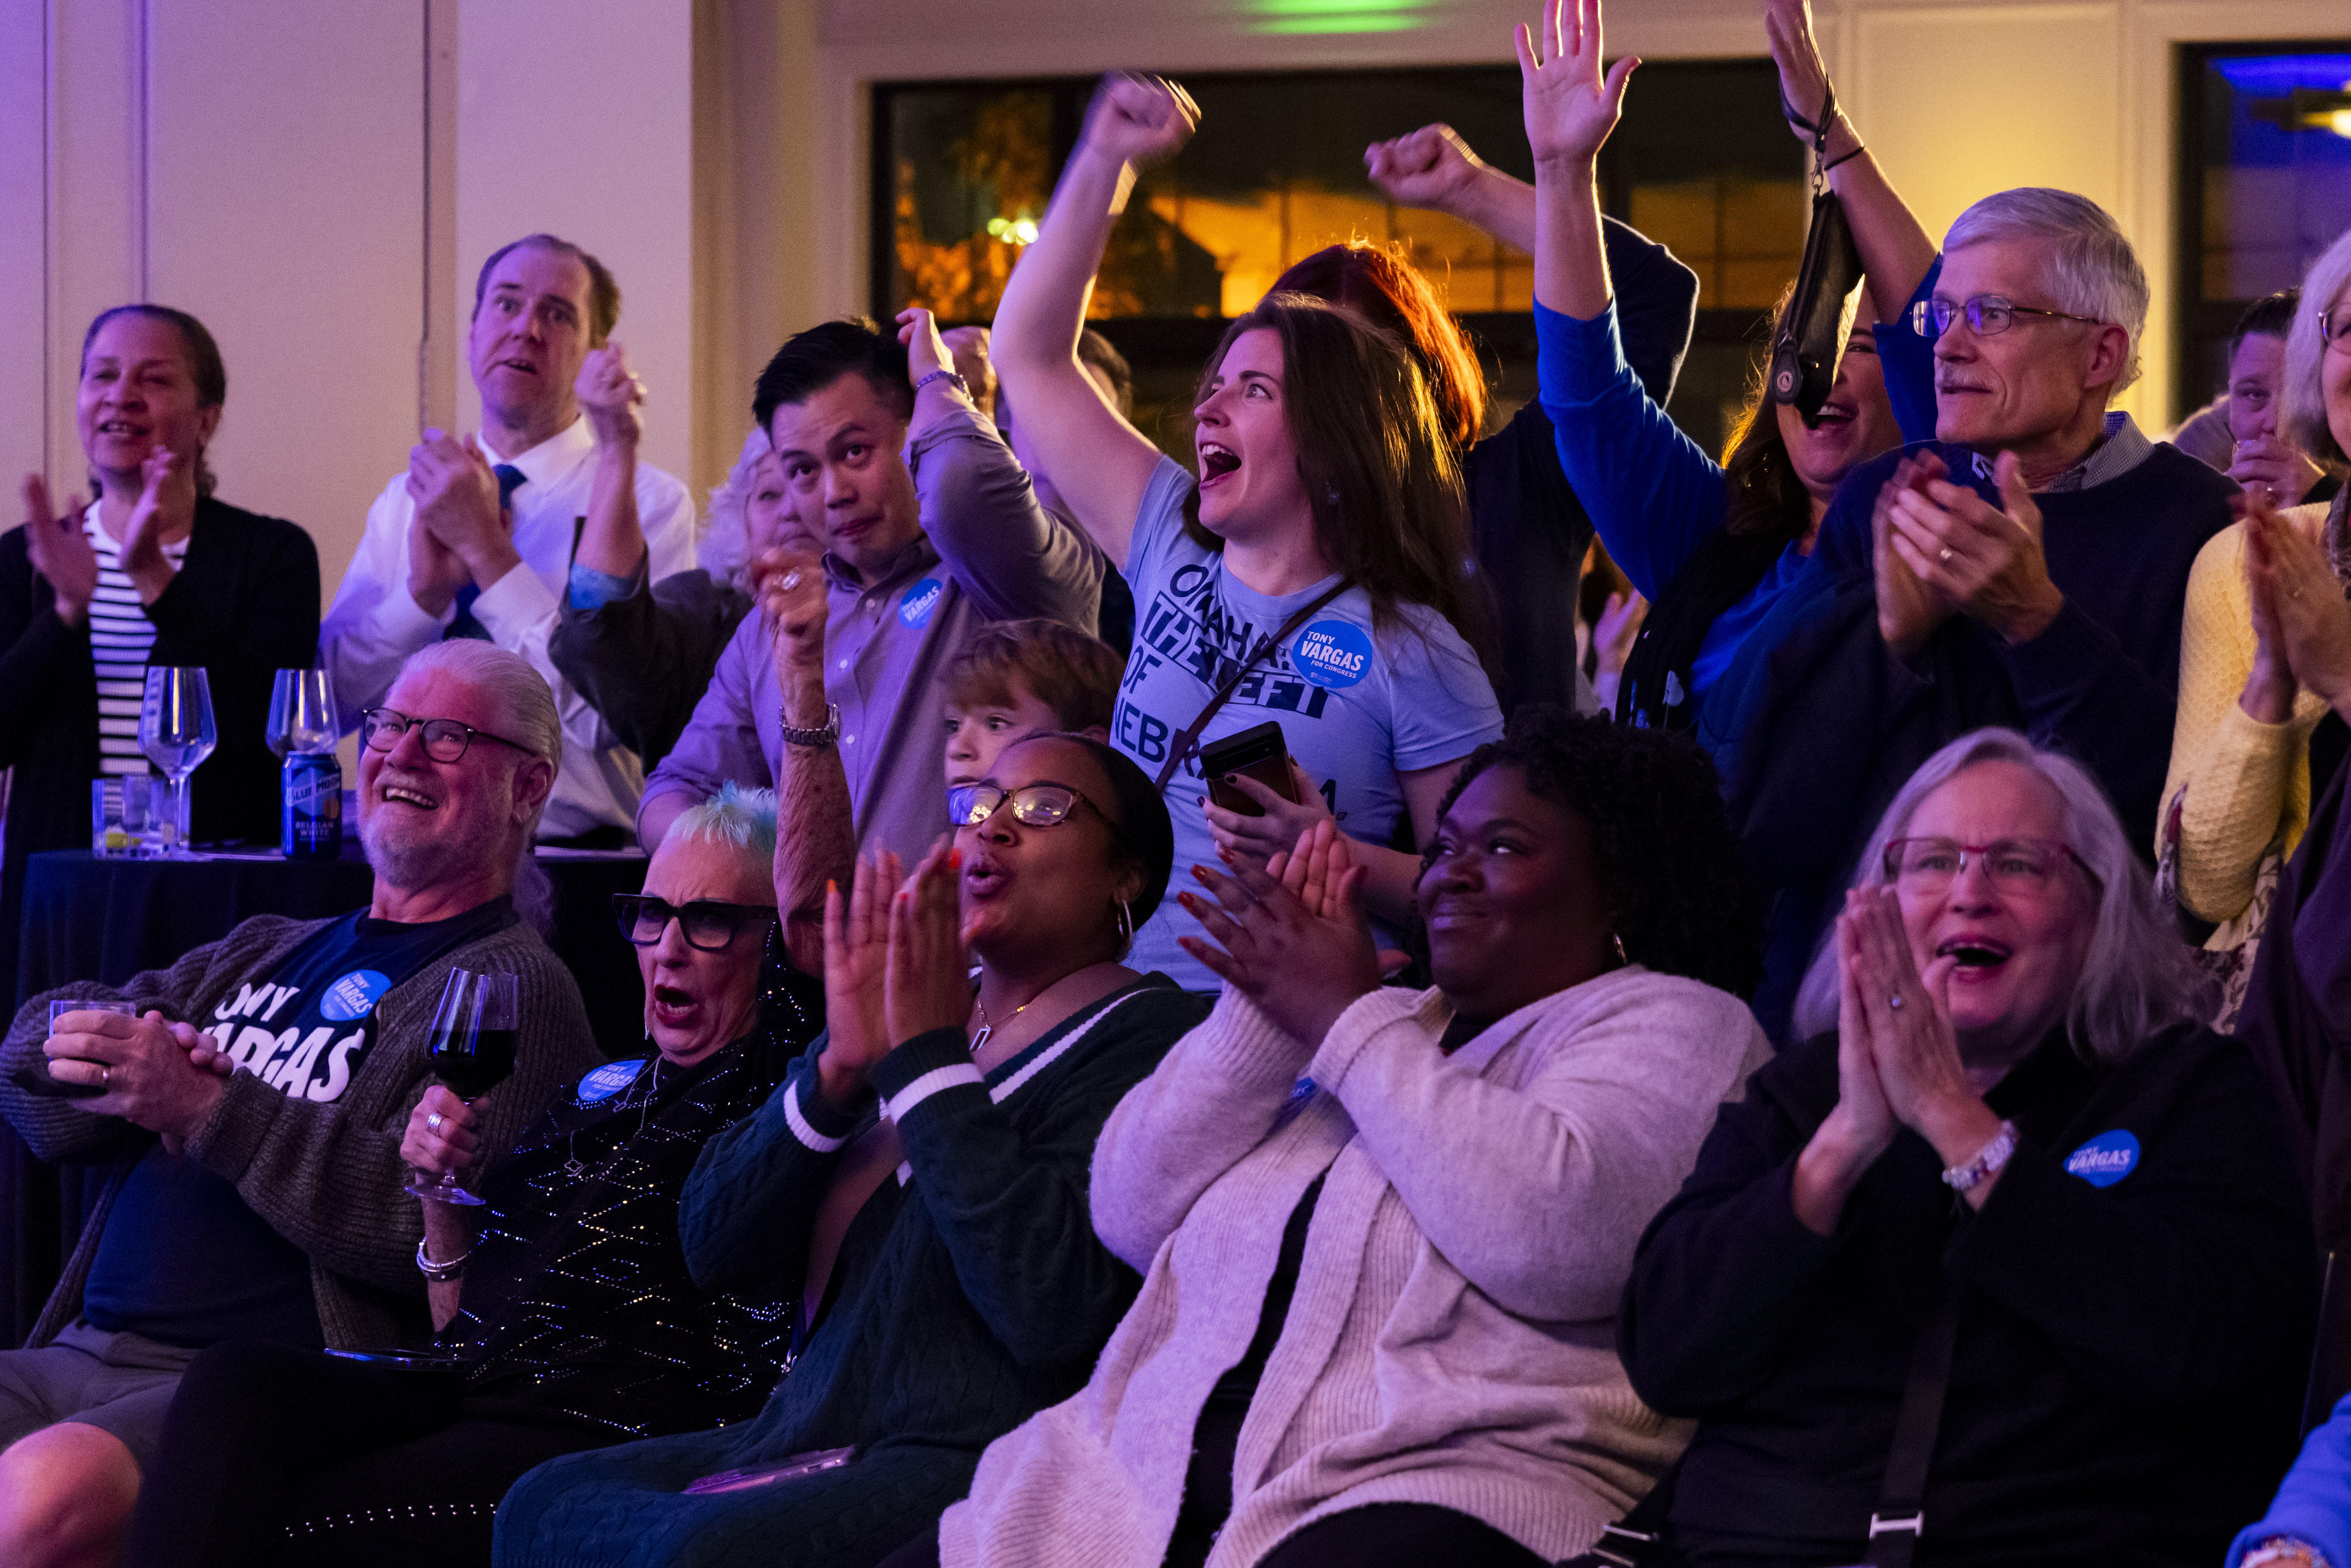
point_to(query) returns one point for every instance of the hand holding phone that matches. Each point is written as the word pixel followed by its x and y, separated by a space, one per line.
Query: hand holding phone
pixel 1261 754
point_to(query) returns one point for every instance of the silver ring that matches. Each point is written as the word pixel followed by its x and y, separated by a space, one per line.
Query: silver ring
pixel 1946 555
pixel 1894 1002
pixel 791 580
pixel 432 1120
pixel 105 1073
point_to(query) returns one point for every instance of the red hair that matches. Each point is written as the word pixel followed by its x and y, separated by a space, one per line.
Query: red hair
pixel 1379 284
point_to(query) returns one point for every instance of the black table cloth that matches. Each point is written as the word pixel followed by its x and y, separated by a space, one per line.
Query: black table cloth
pixel 89 917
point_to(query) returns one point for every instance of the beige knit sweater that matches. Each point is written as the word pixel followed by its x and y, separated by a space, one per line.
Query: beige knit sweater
pixel 2247 783
pixel 1452 1336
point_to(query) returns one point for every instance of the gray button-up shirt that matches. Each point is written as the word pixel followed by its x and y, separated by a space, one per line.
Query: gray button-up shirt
pixel 987 552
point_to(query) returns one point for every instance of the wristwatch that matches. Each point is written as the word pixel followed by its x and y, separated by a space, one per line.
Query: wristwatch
pixel 829 734
pixel 440 1273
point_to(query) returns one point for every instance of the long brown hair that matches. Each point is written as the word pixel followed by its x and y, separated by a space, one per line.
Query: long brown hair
pixel 1383 481
pixel 1377 283
pixel 1763 494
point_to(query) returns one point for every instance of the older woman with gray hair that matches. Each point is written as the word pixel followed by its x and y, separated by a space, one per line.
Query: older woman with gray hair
pixel 568 1317
pixel 2007 1258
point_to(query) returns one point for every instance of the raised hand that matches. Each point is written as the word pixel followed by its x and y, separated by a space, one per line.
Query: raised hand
pixel 1431 167
pixel 1803 77
pixel 967 348
pixel 2289 570
pixel 60 552
pixel 1618 628
pixel 457 497
pixel 1907 609
pixel 1570 106
pixel 1301 967
pixel 1139 118
pixel 918 330
pixel 2274 469
pixel 856 957
pixel 611 395
pixel 1986 561
pixel 790 591
pixel 927 982
pixel 166 509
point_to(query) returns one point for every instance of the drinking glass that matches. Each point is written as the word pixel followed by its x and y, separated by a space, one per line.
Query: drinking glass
pixel 472 1048
pixel 302 712
pixel 176 732
pixel 122 812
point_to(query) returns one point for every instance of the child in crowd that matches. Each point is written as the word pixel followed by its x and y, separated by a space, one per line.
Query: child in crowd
pixel 1016 677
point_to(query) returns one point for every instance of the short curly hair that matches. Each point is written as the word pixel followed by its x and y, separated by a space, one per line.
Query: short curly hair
pixel 1670 866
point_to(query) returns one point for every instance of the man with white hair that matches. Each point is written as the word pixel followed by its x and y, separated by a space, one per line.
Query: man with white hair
pixel 2028 567
pixel 245 1125
pixel 476 539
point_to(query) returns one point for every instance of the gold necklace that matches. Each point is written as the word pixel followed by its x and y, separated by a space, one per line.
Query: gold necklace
pixel 986 1028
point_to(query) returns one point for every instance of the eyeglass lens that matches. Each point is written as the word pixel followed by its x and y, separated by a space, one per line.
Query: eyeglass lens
pixel 1038 806
pixel 710 927
pixel 444 739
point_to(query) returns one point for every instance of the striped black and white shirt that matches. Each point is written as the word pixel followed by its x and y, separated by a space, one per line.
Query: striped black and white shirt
pixel 120 637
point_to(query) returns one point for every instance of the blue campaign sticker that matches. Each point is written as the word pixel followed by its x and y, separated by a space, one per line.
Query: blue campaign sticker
pixel 354 996
pixel 1333 653
pixel 916 606
pixel 603 1082
pixel 2104 1159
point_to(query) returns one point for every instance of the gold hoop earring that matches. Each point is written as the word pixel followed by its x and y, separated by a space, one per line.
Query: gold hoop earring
pixel 1125 928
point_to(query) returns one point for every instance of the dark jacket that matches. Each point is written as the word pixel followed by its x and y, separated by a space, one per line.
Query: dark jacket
pixel 2130 1354
pixel 1838 724
pixel 243 605
pixel 644 661
pixel 1529 529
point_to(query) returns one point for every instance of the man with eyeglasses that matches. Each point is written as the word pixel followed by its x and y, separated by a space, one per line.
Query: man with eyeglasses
pixel 2027 568
pixel 245 1126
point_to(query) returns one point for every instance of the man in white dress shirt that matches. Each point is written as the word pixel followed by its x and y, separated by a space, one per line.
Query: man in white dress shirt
pixel 456 547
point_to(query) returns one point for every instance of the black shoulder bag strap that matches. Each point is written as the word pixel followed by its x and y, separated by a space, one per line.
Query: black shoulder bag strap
pixel 1901 1517
pixel 1181 746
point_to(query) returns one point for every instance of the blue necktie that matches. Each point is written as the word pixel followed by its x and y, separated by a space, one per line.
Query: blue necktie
pixel 510 479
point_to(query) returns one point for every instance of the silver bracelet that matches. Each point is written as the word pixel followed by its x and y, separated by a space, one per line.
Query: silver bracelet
pixel 1987 1162
pixel 795 736
pixel 440 1273
pixel 2284 1549
pixel 961 385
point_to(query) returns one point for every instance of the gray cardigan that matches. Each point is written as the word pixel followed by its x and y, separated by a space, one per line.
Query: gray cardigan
pixel 326 1176
pixel 1451 1340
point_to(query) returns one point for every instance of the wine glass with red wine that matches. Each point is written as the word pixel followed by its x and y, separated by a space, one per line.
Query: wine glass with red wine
pixel 472 1048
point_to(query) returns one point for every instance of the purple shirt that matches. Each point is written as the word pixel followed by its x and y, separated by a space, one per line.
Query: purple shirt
pixel 987 552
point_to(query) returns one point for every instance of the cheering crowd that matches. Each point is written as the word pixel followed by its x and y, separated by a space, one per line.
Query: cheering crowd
pixel 1183 1025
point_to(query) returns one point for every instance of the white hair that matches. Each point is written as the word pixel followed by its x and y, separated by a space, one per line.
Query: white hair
pixel 727 544
pixel 2089 267
pixel 741 819
pixel 2326 287
pixel 2138 977
pixel 523 711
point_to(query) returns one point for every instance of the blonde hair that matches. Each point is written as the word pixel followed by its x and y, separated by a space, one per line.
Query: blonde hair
pixel 2327 284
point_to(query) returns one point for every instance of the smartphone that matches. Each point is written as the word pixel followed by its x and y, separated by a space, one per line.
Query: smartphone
pixel 36 1081
pixel 1261 754
pixel 414 1360
pixel 792 1469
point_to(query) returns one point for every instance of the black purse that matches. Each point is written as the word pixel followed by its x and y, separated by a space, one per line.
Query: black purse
pixel 1810 336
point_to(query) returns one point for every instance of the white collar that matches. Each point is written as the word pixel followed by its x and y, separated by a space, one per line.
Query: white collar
pixel 552 458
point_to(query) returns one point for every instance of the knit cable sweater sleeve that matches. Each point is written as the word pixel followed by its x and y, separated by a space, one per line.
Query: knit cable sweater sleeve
pixel 328 1177
pixel 750 1208
pixel 1215 1097
pixel 1008 1195
pixel 1536 1183
pixel 2246 783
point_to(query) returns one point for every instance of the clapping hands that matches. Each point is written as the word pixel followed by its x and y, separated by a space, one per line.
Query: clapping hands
pixel 1980 558
pixel 2298 609
pixel 60 552
pixel 856 959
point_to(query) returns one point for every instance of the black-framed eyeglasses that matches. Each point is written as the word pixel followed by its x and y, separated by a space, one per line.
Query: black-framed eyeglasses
pixel 444 740
pixel 2335 329
pixel 1032 805
pixel 2022 866
pixel 1988 314
pixel 708 924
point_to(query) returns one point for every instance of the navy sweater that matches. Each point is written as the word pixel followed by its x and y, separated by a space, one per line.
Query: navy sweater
pixel 1841 723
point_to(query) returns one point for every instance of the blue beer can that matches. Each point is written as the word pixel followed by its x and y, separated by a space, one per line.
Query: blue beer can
pixel 310 823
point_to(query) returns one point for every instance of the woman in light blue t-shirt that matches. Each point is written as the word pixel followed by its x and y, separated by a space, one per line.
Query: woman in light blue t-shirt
pixel 1319 556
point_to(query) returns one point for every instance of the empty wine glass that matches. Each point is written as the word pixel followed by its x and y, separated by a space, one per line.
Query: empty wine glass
pixel 176 732
pixel 302 712
pixel 472 1048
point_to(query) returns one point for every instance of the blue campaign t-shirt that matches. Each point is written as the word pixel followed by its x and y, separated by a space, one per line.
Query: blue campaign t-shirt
pixel 1357 707
pixel 183 1259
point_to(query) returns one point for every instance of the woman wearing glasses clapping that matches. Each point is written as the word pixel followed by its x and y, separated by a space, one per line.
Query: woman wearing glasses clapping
pixel 2009 1173
pixel 567 1317
pixel 919 1184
